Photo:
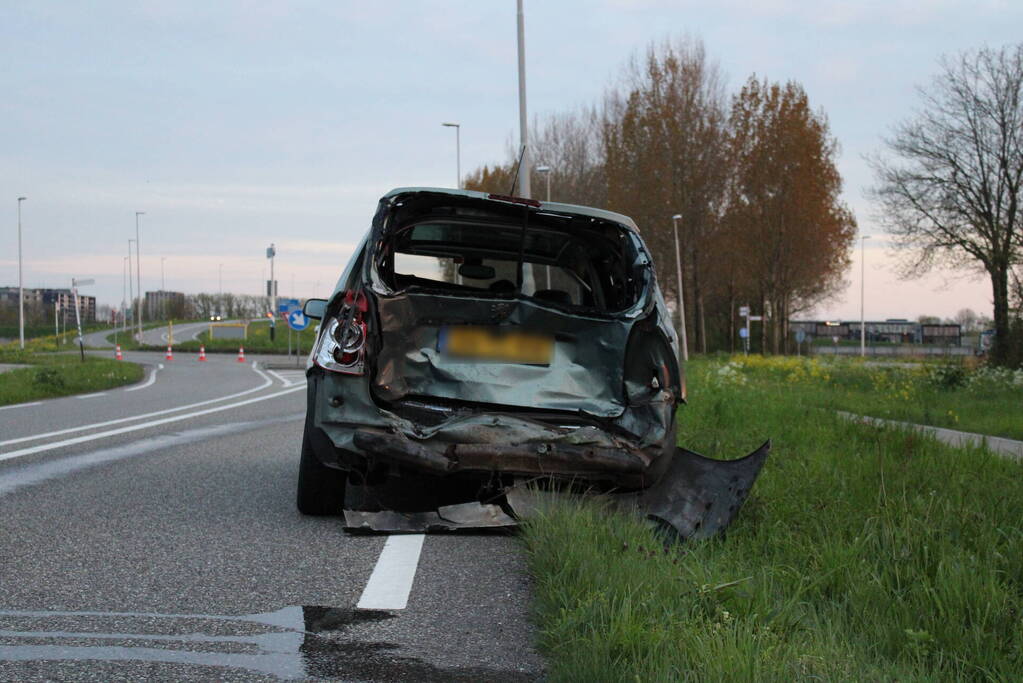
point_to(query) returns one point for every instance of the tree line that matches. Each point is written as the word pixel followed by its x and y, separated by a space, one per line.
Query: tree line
pixel 748 179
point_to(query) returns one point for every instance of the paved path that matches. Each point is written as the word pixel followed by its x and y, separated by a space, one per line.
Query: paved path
pixel 996 444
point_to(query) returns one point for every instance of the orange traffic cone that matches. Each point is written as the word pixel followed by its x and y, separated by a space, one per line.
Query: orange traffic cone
pixel 202 352
pixel 170 354
pixel 241 354
pixel 117 354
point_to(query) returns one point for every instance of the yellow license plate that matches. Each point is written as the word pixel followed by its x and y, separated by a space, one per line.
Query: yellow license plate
pixel 487 344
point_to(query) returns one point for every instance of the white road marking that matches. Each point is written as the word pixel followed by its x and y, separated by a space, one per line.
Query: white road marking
pixel 101 393
pixel 148 382
pixel 145 425
pixel 22 405
pixel 391 581
pixel 266 382
pixel 290 378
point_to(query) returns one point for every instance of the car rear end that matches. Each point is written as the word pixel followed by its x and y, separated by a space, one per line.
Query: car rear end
pixel 479 341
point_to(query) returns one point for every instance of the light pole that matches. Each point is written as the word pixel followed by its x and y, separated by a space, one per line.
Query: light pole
pixel 863 271
pixel 272 290
pixel 458 152
pixel 138 268
pixel 524 188
pixel 681 300
pixel 21 287
pixel 163 289
pixel 131 286
pixel 546 170
pixel 124 293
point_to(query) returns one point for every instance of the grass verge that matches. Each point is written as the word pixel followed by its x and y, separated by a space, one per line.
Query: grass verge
pixel 980 399
pixel 862 554
pixel 51 376
pixel 257 341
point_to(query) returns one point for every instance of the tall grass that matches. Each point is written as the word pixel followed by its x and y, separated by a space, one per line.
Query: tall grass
pixel 862 554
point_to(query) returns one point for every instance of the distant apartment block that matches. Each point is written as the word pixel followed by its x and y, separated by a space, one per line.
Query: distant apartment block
pixel 46 301
pixel 160 304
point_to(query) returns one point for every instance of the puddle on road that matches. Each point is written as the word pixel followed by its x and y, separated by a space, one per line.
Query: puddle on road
pixel 293 642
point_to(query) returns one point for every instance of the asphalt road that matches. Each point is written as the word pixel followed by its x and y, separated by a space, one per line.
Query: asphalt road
pixel 156 335
pixel 151 532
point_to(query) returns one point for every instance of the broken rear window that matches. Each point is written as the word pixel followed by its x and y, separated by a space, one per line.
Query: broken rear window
pixel 580 268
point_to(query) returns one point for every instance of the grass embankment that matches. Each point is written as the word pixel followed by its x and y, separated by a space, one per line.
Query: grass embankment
pixel 53 375
pixel 980 399
pixel 258 341
pixel 861 554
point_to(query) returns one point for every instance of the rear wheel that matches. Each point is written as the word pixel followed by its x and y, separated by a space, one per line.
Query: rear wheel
pixel 321 489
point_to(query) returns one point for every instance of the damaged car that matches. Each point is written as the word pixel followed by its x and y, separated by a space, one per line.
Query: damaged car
pixel 479 348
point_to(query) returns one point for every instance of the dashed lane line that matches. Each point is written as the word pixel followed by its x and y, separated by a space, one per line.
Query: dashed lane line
pixel 100 393
pixel 391 581
pixel 96 425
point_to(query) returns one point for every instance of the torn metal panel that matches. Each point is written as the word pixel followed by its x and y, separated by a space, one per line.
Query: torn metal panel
pixel 698 497
pixel 446 518
pixel 534 458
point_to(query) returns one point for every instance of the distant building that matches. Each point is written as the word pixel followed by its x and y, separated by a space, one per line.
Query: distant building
pixel 46 301
pixel 893 331
pixel 162 304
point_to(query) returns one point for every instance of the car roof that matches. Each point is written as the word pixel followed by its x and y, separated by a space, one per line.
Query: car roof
pixel 554 207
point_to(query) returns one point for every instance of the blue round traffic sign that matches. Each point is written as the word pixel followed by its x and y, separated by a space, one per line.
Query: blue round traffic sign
pixel 297 320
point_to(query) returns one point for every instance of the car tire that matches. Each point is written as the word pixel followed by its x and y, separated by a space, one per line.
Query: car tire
pixel 321 489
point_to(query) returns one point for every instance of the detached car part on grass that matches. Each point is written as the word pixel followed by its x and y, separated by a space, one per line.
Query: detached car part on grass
pixel 480 346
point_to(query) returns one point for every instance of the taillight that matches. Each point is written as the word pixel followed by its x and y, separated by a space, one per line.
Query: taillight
pixel 342 346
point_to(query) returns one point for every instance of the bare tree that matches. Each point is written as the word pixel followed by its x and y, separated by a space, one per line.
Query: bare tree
pixel 950 188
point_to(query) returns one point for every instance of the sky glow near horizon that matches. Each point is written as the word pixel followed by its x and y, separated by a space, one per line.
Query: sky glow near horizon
pixel 237 124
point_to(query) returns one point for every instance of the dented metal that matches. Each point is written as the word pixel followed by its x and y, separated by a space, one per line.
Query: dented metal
pixel 598 411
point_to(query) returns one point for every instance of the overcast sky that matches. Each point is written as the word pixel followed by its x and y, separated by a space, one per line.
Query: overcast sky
pixel 237 124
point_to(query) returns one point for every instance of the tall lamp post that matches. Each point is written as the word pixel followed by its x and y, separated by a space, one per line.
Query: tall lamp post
pixel 458 152
pixel 271 292
pixel 138 269
pixel 684 345
pixel 131 288
pixel 163 289
pixel 863 272
pixel 124 294
pixel 524 167
pixel 21 287
pixel 546 170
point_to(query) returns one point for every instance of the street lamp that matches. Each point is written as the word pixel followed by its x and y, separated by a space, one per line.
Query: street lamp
pixel 458 152
pixel 163 289
pixel 271 251
pixel 138 268
pixel 131 286
pixel 524 187
pixel 863 271
pixel 546 170
pixel 124 291
pixel 21 288
pixel 681 300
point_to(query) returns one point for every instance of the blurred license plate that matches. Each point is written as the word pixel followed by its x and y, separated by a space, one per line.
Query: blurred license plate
pixel 486 344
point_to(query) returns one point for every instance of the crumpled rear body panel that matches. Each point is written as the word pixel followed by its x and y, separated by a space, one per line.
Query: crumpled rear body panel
pixel 585 374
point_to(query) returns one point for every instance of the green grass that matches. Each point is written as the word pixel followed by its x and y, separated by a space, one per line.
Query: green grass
pixel 258 341
pixel 983 400
pixel 862 554
pixel 53 375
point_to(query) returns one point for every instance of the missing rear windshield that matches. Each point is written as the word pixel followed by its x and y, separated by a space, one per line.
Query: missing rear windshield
pixel 582 268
